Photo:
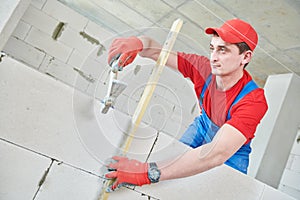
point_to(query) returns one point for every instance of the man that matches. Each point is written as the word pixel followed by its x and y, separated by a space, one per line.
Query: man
pixel 232 105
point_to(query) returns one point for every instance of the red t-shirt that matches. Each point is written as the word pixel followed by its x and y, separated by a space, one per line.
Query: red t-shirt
pixel 245 115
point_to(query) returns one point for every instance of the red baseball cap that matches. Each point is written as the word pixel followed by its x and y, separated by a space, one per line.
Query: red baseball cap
pixel 235 31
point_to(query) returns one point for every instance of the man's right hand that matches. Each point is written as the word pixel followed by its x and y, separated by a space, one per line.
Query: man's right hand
pixel 125 49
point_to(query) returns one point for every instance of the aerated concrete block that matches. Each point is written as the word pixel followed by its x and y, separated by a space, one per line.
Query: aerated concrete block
pixel 10 15
pixel 20 171
pixel 65 123
pixel 221 182
pixel 60 183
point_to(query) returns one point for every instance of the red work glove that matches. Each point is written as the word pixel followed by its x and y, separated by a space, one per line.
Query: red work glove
pixel 128 172
pixel 127 48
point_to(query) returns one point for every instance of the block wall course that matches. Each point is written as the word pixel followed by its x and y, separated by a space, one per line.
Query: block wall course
pixel 99 32
pixel 289 190
pixel 291 178
pixel 61 184
pixel 65 14
pixel 40 20
pixel 50 105
pixel 174 129
pixel 55 108
pixel 101 16
pixel 72 38
pixel 24 52
pixel 295 166
pixel 67 74
pixel 21 30
pixel 38 3
pixel 44 42
pixel 21 169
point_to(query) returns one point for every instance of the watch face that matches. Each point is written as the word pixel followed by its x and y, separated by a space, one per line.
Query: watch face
pixel 154 175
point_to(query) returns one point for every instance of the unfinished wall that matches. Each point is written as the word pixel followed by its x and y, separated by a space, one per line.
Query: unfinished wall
pixel 54 142
pixel 10 14
pixel 289 182
pixel 277 135
pixel 56 40
pixel 44 40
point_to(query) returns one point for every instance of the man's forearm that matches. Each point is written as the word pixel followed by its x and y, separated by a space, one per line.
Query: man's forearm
pixel 226 142
pixel 152 49
pixel 190 163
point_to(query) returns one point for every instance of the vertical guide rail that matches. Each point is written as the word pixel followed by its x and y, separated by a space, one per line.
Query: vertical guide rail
pixel 152 82
pixel 147 94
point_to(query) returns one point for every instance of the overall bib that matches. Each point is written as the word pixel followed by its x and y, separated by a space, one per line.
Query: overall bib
pixel 203 130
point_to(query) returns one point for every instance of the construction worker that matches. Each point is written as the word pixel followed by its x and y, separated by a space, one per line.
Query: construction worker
pixel 231 105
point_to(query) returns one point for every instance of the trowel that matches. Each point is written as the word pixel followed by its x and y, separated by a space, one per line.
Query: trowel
pixel 115 86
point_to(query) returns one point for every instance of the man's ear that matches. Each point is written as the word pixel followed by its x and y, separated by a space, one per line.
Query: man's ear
pixel 247 57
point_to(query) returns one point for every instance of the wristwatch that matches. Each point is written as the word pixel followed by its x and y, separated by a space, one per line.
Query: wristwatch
pixel 153 172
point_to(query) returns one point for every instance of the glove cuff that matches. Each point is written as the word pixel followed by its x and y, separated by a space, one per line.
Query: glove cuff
pixel 138 42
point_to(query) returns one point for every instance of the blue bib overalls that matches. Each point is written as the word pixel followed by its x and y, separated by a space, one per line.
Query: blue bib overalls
pixel 203 130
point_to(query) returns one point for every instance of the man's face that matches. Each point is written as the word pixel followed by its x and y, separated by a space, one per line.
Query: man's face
pixel 225 59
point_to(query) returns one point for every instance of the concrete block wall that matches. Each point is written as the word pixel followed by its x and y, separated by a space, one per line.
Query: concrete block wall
pixel 10 14
pixel 289 182
pixel 275 155
pixel 77 57
pixel 37 42
pixel 54 143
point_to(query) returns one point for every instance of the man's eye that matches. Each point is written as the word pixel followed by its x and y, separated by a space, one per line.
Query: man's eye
pixel 222 49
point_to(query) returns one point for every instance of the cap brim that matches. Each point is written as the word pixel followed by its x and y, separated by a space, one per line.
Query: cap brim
pixel 226 36
pixel 210 30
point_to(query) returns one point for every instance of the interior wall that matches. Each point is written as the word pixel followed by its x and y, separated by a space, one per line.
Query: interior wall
pixel 276 135
pixel 10 14
pixel 290 181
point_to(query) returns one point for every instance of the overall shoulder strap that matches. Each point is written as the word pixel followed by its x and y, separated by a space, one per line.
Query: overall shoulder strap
pixel 249 87
pixel 207 82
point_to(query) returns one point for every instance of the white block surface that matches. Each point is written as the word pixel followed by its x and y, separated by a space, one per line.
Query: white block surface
pixel 282 93
pixel 40 20
pixel 44 41
pixel 68 125
pixel 167 147
pixel 21 30
pixel 37 112
pixel 49 118
pixel 72 38
pixel 271 193
pixel 10 14
pixel 38 3
pixel 20 172
pixel 65 73
pixel 61 184
pixel 65 14
pixel 219 183
pixel 24 52
pixel 98 32
pixel 295 166
pixel 291 179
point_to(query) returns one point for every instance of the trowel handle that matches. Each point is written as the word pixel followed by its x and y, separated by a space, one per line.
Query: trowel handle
pixel 114 63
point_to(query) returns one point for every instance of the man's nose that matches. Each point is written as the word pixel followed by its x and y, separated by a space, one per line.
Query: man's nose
pixel 213 56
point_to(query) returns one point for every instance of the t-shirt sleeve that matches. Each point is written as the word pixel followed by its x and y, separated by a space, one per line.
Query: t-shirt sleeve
pixel 247 114
pixel 195 67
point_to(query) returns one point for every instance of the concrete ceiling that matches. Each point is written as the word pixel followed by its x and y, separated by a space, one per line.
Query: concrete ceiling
pixel 277 23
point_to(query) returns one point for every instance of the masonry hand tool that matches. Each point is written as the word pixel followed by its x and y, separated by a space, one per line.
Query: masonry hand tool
pixel 115 87
pixel 145 99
